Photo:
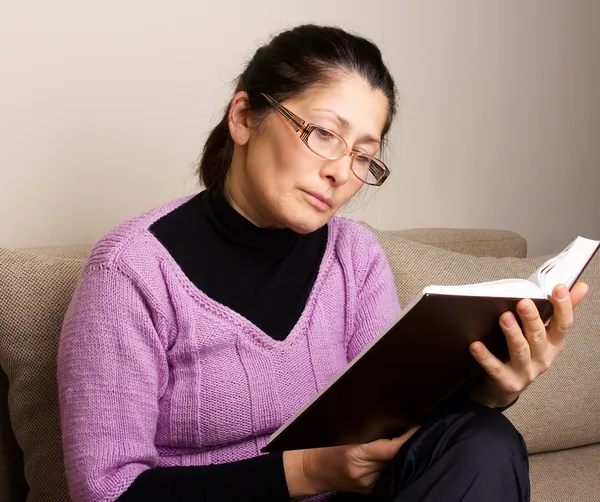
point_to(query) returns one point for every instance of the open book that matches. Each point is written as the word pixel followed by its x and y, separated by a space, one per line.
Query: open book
pixel 422 358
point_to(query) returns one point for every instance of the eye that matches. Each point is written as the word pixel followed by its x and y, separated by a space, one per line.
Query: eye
pixel 324 135
pixel 361 159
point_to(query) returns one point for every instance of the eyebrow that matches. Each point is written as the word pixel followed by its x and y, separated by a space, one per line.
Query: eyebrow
pixel 346 125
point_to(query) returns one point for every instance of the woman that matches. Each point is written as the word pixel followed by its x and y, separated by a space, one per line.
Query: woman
pixel 198 328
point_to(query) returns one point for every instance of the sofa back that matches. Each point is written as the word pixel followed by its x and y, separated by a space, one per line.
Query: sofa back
pixel 36 286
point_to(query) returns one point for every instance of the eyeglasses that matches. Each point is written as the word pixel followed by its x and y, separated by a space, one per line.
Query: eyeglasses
pixel 331 146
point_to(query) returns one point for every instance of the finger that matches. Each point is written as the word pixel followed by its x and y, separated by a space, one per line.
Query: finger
pixel 367 483
pixel 384 450
pixel 533 329
pixel 518 346
pixel 562 317
pixel 578 291
pixel 408 434
pixel 496 369
pixel 381 450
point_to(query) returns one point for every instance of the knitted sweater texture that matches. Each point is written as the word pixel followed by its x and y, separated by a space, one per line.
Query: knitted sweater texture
pixel 153 372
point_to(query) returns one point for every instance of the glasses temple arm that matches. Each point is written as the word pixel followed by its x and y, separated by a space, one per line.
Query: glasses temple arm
pixel 296 122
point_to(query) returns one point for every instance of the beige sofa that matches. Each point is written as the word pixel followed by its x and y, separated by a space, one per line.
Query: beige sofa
pixel 559 415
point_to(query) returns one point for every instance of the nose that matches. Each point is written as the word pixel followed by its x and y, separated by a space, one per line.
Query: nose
pixel 337 172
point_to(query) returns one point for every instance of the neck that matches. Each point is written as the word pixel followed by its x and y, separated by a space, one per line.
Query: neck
pixel 238 189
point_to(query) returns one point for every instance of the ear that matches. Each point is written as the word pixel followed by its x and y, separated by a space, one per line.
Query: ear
pixel 238 118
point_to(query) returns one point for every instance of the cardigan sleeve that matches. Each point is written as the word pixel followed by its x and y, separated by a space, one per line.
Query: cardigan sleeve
pixel 112 369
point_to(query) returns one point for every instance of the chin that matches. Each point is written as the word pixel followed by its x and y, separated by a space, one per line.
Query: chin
pixel 306 223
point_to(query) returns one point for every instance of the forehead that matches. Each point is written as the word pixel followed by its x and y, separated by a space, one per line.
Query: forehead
pixel 352 98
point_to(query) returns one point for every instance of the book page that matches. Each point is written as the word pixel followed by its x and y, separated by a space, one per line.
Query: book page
pixel 505 288
pixel 564 268
pixel 567 265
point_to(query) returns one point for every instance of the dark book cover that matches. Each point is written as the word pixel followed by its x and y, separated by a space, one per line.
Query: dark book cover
pixel 414 367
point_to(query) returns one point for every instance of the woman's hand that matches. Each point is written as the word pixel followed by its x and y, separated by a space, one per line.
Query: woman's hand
pixel 532 352
pixel 352 468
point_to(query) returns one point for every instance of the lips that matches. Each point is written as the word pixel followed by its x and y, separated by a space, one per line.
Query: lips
pixel 324 200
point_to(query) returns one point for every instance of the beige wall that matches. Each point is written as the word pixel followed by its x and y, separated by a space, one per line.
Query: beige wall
pixel 104 107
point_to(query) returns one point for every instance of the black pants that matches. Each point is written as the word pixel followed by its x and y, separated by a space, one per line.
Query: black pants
pixel 463 452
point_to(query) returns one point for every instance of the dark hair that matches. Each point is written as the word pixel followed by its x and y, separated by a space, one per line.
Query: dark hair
pixel 293 62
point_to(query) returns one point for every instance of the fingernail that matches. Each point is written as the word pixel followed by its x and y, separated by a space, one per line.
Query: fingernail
pixel 562 292
pixel 509 320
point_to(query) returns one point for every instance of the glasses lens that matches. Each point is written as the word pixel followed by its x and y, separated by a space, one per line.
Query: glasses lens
pixel 324 143
pixel 368 169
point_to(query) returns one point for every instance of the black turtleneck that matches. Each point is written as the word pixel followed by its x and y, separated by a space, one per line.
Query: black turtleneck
pixel 265 275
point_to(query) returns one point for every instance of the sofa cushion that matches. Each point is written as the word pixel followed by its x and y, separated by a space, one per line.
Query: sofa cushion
pixel 36 288
pixel 566 476
pixel 561 408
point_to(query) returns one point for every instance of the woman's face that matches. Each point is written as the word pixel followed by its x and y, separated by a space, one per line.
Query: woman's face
pixel 284 184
